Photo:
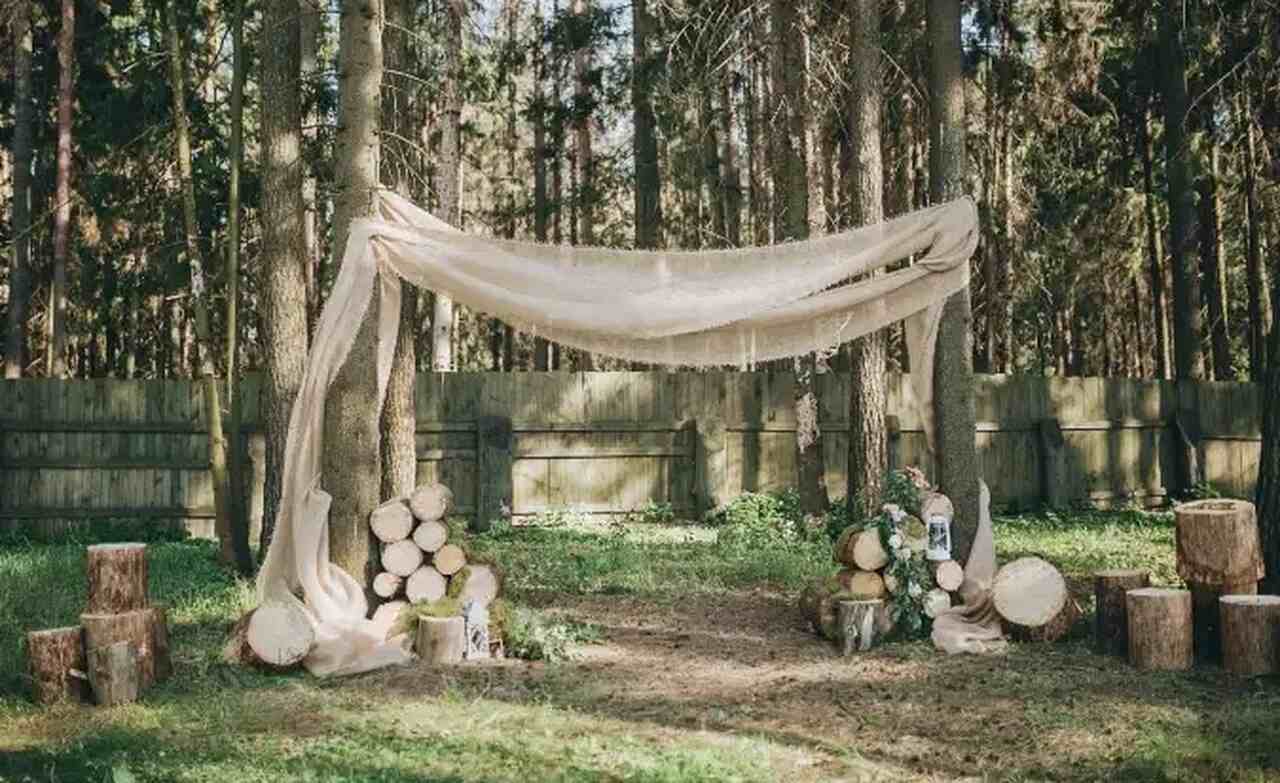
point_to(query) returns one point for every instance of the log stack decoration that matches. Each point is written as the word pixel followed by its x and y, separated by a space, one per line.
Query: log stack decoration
pixel 1028 596
pixel 1219 553
pixel 425 563
pixel 121 646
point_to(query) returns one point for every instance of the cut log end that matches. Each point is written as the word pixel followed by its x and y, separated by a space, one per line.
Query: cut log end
pixel 117 578
pixel 935 602
pixel 948 575
pixel 865 585
pixel 449 560
pixel 387 584
pixel 483 584
pixel 868 552
pixel 1029 592
pixel 431 502
pixel 391 522
pixel 425 584
pixel 280 634
pixel 402 558
pixel 430 536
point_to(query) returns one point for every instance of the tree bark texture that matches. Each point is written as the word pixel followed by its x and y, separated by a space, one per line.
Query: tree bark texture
pixel 351 462
pixel 955 450
pixel 57 348
pixel 449 179
pixel 15 353
pixel 117 578
pixel 283 263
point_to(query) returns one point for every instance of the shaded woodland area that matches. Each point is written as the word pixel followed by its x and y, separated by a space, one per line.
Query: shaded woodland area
pixel 181 174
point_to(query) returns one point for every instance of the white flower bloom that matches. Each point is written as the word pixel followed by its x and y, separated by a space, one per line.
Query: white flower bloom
pixel 895 541
pixel 914 590
pixel 904 554
pixel 891 509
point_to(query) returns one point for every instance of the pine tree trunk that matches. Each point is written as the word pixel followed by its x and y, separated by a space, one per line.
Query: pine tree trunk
pixel 1212 267
pixel 958 468
pixel 20 274
pixel 236 506
pixel 1187 350
pixel 645 141
pixel 582 130
pixel 450 186
pixel 282 282
pixel 309 26
pixel 732 184
pixel 351 462
pixel 399 419
pixel 199 297
pixel 541 349
pixel 791 222
pixel 57 347
pixel 1260 314
pixel 868 440
pixel 1155 254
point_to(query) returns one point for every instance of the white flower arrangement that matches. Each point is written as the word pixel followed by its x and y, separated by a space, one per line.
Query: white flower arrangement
pixel 895 541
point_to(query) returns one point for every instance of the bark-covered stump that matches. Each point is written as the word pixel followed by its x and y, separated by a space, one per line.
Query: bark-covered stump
pixel 56 662
pixel 1159 628
pixel 117 578
pixel 1111 621
pixel 1250 634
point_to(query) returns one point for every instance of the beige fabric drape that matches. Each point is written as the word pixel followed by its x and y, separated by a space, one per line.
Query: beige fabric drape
pixel 705 308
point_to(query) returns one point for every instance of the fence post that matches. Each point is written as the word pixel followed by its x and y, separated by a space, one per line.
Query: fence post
pixel 1054 487
pixel 494 459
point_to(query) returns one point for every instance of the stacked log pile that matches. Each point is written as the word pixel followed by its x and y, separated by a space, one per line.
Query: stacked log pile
pixel 424 563
pixel 855 606
pixel 121 646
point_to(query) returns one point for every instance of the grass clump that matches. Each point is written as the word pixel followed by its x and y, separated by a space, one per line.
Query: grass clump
pixel 536 636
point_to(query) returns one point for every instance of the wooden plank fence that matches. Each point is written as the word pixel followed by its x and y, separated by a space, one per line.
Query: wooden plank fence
pixel 73 452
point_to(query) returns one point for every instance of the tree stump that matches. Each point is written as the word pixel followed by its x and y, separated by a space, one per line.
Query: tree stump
pixel 117 578
pixel 56 661
pixel 1219 553
pixel 430 536
pixel 860 623
pixel 441 639
pixel 431 502
pixel 449 560
pixel 1159 628
pixel 280 634
pixel 1250 634
pixel 136 628
pixel 114 674
pixel 1110 621
pixel 391 522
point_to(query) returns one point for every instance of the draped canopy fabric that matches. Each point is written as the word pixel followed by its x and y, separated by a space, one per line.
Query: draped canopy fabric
pixel 681 308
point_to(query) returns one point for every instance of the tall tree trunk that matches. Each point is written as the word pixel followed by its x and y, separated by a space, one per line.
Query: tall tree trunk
pixel 399 420
pixel 958 467
pixel 709 156
pixel 868 440
pixel 1155 255
pixel 1187 350
pixel 506 335
pixel 585 195
pixel 236 507
pixel 20 275
pixel 199 296
pixel 450 186
pixel 284 259
pixel 57 347
pixel 1260 314
pixel 791 221
pixel 351 462
pixel 541 348
pixel 732 184
pixel 309 26
pixel 645 141
pixel 1212 267
pixel 557 169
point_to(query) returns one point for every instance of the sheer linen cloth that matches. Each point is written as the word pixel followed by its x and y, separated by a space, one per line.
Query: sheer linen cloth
pixel 704 308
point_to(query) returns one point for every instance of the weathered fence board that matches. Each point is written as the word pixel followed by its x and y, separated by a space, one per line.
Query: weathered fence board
pixel 612 442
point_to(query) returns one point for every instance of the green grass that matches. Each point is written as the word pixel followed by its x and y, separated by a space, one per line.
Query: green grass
pixel 703 675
